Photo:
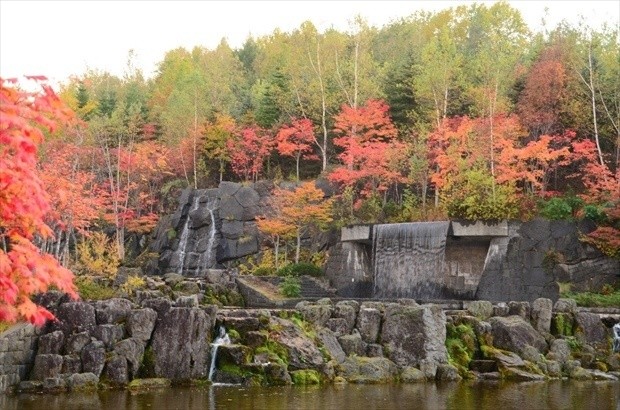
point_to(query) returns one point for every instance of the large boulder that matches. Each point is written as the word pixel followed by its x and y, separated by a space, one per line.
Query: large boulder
pixel 46 365
pixel 412 334
pixel 180 344
pixel 75 317
pixel 369 324
pixel 132 350
pixel 112 311
pixel 590 329
pixel 512 333
pixel 330 342
pixel 51 343
pixel 93 358
pixel 140 323
pixel 541 314
pixel 368 370
pixel 301 350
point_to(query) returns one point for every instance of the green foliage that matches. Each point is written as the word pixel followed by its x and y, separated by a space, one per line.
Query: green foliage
pixel 561 208
pixel 299 269
pixel 461 345
pixel 305 377
pixel 291 287
pixel 574 344
pixel 275 352
pixel 592 299
pixel 89 289
pixel 133 284
pixel 594 213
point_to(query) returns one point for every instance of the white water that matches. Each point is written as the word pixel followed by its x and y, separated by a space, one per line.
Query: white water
pixel 184 236
pixel 206 259
pixel 222 339
pixel 409 259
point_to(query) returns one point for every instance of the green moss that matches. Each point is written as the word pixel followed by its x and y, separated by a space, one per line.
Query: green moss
pixel 147 368
pixel 562 324
pixel 591 299
pixel 147 384
pixel 461 344
pixel 91 290
pixel 275 352
pixel 305 377
pixel 233 334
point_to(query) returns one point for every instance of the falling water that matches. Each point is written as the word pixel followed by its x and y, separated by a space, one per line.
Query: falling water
pixel 206 259
pixel 221 339
pixel 409 259
pixel 184 236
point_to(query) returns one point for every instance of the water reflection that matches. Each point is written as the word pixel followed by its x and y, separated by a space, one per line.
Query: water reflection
pixel 487 395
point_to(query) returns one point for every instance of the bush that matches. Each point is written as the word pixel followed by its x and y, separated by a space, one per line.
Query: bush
pixel 291 287
pixel 298 269
pixel 564 208
pixel 89 289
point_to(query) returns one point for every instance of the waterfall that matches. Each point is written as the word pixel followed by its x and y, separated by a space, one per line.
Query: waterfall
pixel 221 339
pixel 409 259
pixel 206 259
pixel 184 236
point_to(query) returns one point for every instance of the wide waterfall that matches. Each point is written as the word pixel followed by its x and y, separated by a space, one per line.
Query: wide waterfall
pixel 409 259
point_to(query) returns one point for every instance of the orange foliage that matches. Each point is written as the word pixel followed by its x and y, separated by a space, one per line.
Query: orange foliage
pixel 24 204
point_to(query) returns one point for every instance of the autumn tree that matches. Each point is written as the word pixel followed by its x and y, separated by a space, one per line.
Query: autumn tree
pixel 248 150
pixel 296 140
pixel 24 270
pixel 301 210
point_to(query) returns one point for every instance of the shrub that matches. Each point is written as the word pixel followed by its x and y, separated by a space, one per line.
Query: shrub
pixel 298 269
pixel 97 255
pixel 88 289
pixel 564 208
pixel 291 287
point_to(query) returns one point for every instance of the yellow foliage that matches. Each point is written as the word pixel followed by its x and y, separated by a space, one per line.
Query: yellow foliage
pixel 133 283
pixel 97 255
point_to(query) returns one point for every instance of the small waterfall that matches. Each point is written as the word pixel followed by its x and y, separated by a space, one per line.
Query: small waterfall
pixel 184 236
pixel 221 339
pixel 206 259
pixel 409 259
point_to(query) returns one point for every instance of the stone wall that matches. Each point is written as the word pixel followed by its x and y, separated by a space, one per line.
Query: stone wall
pixel 17 351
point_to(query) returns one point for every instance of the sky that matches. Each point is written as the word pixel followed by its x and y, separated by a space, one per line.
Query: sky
pixel 63 38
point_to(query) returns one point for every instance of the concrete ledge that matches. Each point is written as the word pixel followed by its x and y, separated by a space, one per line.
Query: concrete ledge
pixel 356 233
pixel 479 228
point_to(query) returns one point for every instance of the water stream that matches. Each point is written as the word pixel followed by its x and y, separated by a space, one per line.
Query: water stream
pixel 184 237
pixel 409 259
pixel 221 339
pixel 206 259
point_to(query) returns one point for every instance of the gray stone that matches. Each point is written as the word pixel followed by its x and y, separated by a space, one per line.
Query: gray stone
pixel 82 382
pixel 347 312
pixel 554 369
pixel 71 364
pixel 132 350
pixel 330 342
pixel 187 287
pixel 501 309
pixel 181 344
pixel 316 314
pixel 109 334
pixel 369 324
pixel 590 329
pixel 414 334
pixel 579 373
pixel 54 385
pixel 277 375
pixel 75 317
pixel 187 301
pixel 112 311
pixel 519 309
pixel 482 309
pixel 565 306
pixel 30 386
pixel 159 305
pixel 368 370
pixel 140 323
pixel 542 309
pixel 447 372
pixel 76 343
pixel 338 325
pixel 352 344
pixel 255 339
pixel 301 350
pixel 116 371
pixel 46 365
pixel 51 343
pixel 512 333
pixel 93 358
pixel 374 350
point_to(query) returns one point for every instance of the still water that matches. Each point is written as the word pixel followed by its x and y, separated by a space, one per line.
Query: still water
pixel 479 395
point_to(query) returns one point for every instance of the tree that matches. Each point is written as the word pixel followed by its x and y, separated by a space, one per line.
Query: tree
pixel 301 210
pixel 24 270
pixel 248 150
pixel 217 134
pixel 296 141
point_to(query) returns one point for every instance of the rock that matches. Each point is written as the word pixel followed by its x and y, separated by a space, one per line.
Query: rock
pixel 180 344
pixel 599 375
pixel 112 311
pixel 71 364
pixel 277 375
pixel 305 377
pixel 171 279
pixel 329 341
pixel 413 334
pixel 302 352
pixel 338 325
pixel 579 373
pixel 30 386
pixel 317 314
pixel 345 311
pixel 482 309
pixel 512 333
pixel 54 385
pixel 159 305
pixel 507 359
pixel 140 323
pixel 51 343
pixel 352 344
pixel 590 329
pixel 93 358
pixel 76 343
pixel 531 354
pixel 501 309
pixel 520 375
pixel 237 355
pixel 187 287
pixel 132 350
pixel 369 324
pixel 412 375
pixel 554 369
pixel 83 382
pixel 541 314
pixel 519 309
pixel 46 366
pixel 374 350
pixel 447 372
pixel 187 301
pixel 562 324
pixel 368 370
pixel 148 384
pixel 116 371
pixel 75 317
pixel 242 325
pixel 565 306
pixel 109 334
pixel 253 339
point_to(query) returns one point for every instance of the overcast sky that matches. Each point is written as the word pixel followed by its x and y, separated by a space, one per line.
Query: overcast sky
pixel 61 38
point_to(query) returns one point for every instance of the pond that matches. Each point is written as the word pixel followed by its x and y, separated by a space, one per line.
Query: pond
pixel 465 395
